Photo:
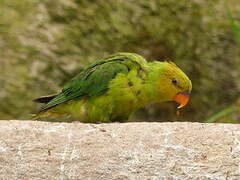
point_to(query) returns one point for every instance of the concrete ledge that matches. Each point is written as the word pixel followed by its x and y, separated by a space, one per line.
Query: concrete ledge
pixel 43 150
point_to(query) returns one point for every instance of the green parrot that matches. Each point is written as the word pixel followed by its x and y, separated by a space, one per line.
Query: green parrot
pixel 114 87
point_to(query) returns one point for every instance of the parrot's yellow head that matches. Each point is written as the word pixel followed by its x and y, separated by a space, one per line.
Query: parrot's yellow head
pixel 174 84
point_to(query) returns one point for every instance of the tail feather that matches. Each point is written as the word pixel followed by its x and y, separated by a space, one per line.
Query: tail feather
pixel 46 109
pixel 47 114
pixel 45 99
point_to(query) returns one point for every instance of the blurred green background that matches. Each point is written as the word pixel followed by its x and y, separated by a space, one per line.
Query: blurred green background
pixel 43 43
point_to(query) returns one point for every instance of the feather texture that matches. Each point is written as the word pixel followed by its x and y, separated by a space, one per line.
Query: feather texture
pixel 45 99
pixel 95 79
pixel 114 87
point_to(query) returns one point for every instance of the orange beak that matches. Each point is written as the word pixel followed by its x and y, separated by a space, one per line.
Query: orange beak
pixel 182 98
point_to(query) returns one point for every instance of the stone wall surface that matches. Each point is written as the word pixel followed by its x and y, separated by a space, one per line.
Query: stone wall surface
pixel 45 150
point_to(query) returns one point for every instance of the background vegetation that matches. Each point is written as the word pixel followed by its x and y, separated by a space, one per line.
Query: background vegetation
pixel 44 43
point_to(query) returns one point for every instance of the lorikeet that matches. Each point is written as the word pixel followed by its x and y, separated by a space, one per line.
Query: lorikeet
pixel 114 87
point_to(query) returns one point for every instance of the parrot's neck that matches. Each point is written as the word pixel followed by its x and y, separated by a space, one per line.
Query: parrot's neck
pixel 150 92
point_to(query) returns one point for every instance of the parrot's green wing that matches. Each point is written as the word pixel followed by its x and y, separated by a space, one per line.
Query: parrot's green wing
pixel 94 80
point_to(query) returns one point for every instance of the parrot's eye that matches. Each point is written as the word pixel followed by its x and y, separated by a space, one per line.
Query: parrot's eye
pixel 174 82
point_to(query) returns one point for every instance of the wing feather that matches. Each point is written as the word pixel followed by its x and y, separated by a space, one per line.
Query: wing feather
pixel 92 82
